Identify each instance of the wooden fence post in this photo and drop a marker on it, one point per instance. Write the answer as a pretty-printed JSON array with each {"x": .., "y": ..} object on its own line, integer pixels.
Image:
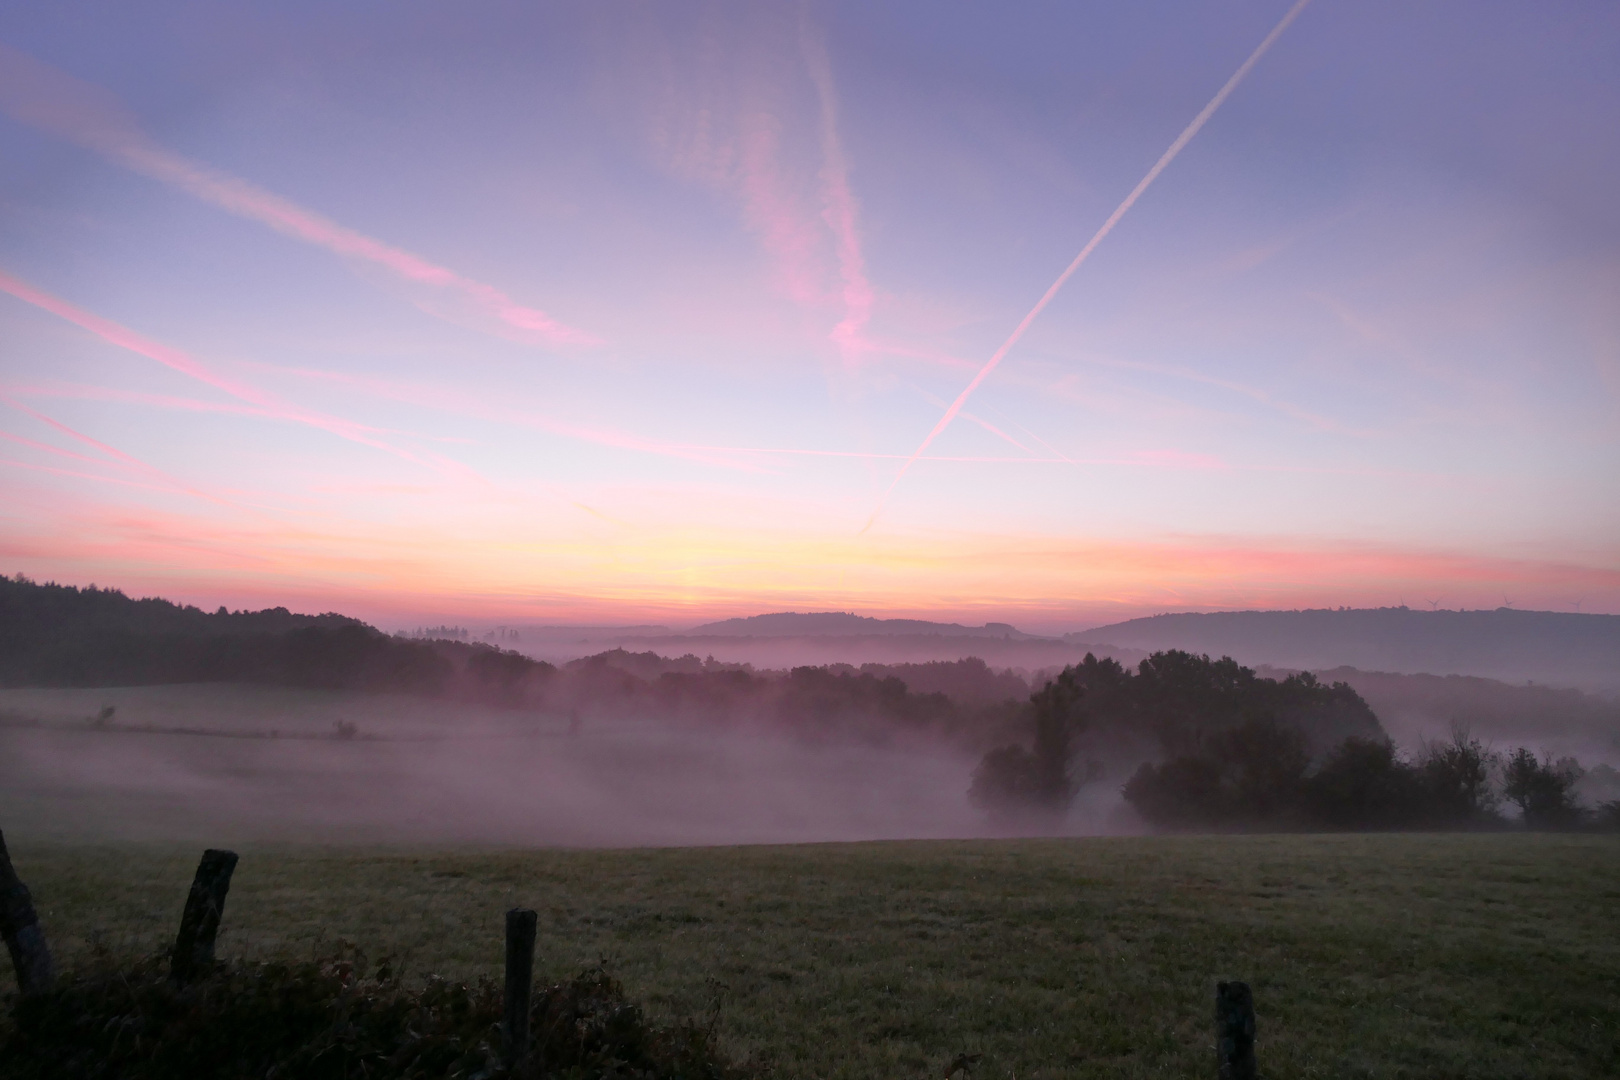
[
  {"x": 520, "y": 926},
  {"x": 19, "y": 925},
  {"x": 1234, "y": 1031},
  {"x": 205, "y": 905}
]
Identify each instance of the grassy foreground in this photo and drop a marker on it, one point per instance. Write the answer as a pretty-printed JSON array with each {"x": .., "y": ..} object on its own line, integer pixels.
[{"x": 1478, "y": 956}]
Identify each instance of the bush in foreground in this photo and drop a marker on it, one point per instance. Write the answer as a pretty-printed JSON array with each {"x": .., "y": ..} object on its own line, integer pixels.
[{"x": 330, "y": 1018}]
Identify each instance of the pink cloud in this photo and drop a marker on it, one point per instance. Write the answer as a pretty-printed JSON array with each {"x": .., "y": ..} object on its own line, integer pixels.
[
  {"x": 787, "y": 231},
  {"x": 55, "y": 101},
  {"x": 839, "y": 209}
]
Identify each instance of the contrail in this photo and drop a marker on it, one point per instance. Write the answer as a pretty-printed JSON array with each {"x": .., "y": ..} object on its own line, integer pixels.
[
  {"x": 38, "y": 94},
  {"x": 118, "y": 456},
  {"x": 1113, "y": 219},
  {"x": 125, "y": 338},
  {"x": 449, "y": 400}
]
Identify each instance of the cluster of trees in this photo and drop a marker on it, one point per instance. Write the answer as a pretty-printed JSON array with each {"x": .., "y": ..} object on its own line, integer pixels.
[
  {"x": 1237, "y": 751},
  {"x": 1260, "y": 777},
  {"x": 1173, "y": 703}
]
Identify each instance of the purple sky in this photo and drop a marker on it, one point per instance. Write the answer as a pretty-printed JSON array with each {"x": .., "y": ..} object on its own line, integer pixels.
[{"x": 611, "y": 311}]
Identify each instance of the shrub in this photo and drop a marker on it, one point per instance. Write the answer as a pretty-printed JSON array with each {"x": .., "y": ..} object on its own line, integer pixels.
[
  {"x": 1363, "y": 784},
  {"x": 1245, "y": 776},
  {"x": 1181, "y": 793},
  {"x": 331, "y": 1019}
]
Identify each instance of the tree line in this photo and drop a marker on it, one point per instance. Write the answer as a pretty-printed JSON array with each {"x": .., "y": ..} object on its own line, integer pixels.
[{"x": 55, "y": 635}]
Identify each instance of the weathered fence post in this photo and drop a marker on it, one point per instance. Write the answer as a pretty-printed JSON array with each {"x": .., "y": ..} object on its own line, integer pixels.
[
  {"x": 520, "y": 924},
  {"x": 1234, "y": 1031},
  {"x": 205, "y": 905},
  {"x": 19, "y": 925}
]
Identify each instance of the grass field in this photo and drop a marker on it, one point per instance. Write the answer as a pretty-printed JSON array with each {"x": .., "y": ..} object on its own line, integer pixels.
[{"x": 1478, "y": 956}]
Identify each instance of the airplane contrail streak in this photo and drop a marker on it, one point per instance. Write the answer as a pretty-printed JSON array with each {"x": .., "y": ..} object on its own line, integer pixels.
[
  {"x": 117, "y": 455},
  {"x": 54, "y": 101},
  {"x": 125, "y": 338},
  {"x": 1091, "y": 245}
]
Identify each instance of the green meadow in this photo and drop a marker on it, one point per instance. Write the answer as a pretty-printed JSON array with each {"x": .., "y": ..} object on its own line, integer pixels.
[{"x": 1369, "y": 955}]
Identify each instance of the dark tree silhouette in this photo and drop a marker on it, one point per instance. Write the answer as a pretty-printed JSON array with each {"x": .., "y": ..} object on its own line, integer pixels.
[
  {"x": 1014, "y": 782},
  {"x": 58, "y": 635},
  {"x": 1241, "y": 777},
  {"x": 1456, "y": 780},
  {"x": 1542, "y": 790},
  {"x": 1363, "y": 784}
]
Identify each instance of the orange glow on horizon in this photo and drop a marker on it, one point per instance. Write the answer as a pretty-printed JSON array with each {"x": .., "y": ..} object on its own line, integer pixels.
[{"x": 692, "y": 574}]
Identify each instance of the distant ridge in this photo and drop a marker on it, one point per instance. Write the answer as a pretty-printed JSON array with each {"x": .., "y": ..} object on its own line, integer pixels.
[
  {"x": 846, "y": 624},
  {"x": 1548, "y": 646}
]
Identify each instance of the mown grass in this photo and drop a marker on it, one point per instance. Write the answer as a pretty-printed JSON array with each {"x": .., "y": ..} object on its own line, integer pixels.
[{"x": 1478, "y": 956}]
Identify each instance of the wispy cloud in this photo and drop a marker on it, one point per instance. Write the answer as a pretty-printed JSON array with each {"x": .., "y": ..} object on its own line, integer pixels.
[
  {"x": 57, "y": 102},
  {"x": 109, "y": 454},
  {"x": 786, "y": 230},
  {"x": 1264, "y": 397},
  {"x": 169, "y": 357},
  {"x": 457, "y": 402},
  {"x": 449, "y": 400},
  {"x": 839, "y": 207},
  {"x": 979, "y": 420},
  {"x": 1091, "y": 245},
  {"x": 80, "y": 474}
]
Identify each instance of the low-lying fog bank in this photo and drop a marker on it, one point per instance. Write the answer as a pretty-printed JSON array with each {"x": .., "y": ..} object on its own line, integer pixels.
[
  {"x": 789, "y": 652},
  {"x": 1419, "y": 709},
  {"x": 275, "y": 765}
]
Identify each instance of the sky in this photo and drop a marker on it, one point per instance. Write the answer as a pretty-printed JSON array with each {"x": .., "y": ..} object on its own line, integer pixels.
[{"x": 608, "y": 312}]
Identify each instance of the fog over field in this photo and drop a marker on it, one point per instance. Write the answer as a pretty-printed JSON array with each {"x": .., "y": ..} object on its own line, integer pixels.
[
  {"x": 429, "y": 772},
  {"x": 225, "y": 763},
  {"x": 143, "y": 719}
]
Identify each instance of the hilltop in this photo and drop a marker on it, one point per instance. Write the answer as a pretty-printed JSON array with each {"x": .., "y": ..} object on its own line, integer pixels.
[
  {"x": 847, "y": 624},
  {"x": 1545, "y": 646}
]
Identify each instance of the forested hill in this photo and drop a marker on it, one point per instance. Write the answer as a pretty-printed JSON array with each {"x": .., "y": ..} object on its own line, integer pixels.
[
  {"x": 60, "y": 635},
  {"x": 49, "y": 611},
  {"x": 1547, "y": 646}
]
